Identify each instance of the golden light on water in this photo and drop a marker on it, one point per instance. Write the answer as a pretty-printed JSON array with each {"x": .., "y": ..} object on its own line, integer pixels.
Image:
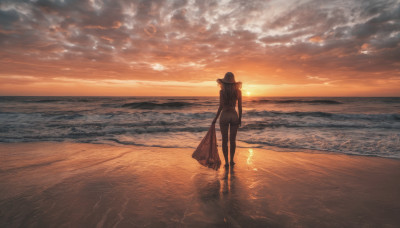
[{"x": 250, "y": 157}]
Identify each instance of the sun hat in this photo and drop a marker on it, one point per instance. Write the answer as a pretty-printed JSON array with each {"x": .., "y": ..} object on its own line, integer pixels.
[{"x": 229, "y": 78}]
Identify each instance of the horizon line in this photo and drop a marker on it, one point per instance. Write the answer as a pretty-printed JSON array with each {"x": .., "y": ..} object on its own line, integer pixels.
[{"x": 195, "y": 96}]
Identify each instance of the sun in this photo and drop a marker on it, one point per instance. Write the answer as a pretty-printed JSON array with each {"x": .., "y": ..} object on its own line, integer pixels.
[{"x": 248, "y": 93}]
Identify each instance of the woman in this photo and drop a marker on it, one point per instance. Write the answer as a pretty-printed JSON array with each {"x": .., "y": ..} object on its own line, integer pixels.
[{"x": 228, "y": 95}]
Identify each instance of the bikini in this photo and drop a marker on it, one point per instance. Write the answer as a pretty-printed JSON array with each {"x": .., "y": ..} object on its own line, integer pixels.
[{"x": 229, "y": 114}]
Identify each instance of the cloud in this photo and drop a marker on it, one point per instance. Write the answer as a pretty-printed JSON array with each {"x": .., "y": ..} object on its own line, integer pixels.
[{"x": 198, "y": 40}]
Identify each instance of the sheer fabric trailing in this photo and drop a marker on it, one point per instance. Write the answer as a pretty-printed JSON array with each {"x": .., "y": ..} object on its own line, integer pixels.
[{"x": 207, "y": 151}]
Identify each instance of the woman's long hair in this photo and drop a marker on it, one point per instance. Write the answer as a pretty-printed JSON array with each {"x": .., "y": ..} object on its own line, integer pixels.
[{"x": 230, "y": 92}]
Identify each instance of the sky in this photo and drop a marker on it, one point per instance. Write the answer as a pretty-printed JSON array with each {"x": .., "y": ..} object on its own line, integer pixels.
[{"x": 180, "y": 48}]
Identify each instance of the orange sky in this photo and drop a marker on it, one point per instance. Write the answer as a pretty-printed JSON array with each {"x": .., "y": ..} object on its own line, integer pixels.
[{"x": 179, "y": 48}]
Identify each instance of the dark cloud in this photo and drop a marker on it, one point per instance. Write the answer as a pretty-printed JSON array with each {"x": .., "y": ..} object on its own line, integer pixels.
[{"x": 124, "y": 39}]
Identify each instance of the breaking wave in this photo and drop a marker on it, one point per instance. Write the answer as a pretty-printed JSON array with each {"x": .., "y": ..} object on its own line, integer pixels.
[
  {"x": 336, "y": 116},
  {"x": 328, "y": 102},
  {"x": 152, "y": 105}
]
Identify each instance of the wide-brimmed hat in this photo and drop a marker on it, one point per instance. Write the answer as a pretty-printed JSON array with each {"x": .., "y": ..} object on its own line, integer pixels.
[{"x": 229, "y": 78}]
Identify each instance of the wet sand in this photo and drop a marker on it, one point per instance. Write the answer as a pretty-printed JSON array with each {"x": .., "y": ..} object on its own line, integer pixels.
[{"x": 87, "y": 185}]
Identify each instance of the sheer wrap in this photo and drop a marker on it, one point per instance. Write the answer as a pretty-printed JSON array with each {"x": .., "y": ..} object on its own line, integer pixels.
[{"x": 207, "y": 151}]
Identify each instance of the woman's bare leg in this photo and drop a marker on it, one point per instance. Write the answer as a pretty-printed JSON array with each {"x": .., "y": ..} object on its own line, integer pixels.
[
  {"x": 232, "y": 139},
  {"x": 224, "y": 133}
]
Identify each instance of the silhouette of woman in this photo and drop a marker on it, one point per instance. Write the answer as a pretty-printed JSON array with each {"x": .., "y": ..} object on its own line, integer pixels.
[{"x": 228, "y": 95}]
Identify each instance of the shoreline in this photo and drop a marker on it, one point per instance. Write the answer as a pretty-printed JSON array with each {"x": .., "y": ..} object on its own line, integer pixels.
[
  {"x": 81, "y": 184},
  {"x": 239, "y": 146}
]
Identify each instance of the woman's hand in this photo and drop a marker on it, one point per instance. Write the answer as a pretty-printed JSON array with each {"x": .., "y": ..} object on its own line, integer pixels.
[{"x": 240, "y": 122}]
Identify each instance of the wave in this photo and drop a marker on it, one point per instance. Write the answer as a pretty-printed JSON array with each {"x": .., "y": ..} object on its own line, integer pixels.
[
  {"x": 336, "y": 116},
  {"x": 184, "y": 99},
  {"x": 43, "y": 101},
  {"x": 329, "y": 102},
  {"x": 298, "y": 114},
  {"x": 59, "y": 99},
  {"x": 354, "y": 149},
  {"x": 152, "y": 105},
  {"x": 390, "y": 100},
  {"x": 265, "y": 125},
  {"x": 69, "y": 117},
  {"x": 96, "y": 131},
  {"x": 105, "y": 141}
]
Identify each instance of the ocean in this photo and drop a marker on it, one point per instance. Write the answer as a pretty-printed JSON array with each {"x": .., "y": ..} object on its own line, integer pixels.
[{"x": 365, "y": 126}]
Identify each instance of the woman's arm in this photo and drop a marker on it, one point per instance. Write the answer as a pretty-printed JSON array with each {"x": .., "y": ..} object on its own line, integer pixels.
[
  {"x": 219, "y": 108},
  {"x": 240, "y": 107}
]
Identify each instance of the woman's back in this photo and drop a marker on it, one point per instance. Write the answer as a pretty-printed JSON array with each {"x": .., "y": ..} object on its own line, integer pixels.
[
  {"x": 229, "y": 94},
  {"x": 227, "y": 100}
]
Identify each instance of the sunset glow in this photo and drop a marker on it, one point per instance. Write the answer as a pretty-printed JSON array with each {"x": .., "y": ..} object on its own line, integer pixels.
[{"x": 179, "y": 48}]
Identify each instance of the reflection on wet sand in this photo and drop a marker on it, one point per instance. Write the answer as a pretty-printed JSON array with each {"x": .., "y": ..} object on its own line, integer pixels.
[
  {"x": 86, "y": 185},
  {"x": 218, "y": 200},
  {"x": 227, "y": 180},
  {"x": 229, "y": 197}
]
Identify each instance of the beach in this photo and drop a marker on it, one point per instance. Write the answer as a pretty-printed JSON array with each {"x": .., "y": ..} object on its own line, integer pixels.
[
  {"x": 66, "y": 184},
  {"x": 103, "y": 103}
]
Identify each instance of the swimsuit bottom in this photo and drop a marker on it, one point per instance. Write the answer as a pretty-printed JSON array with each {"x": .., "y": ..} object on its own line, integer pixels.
[{"x": 229, "y": 116}]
